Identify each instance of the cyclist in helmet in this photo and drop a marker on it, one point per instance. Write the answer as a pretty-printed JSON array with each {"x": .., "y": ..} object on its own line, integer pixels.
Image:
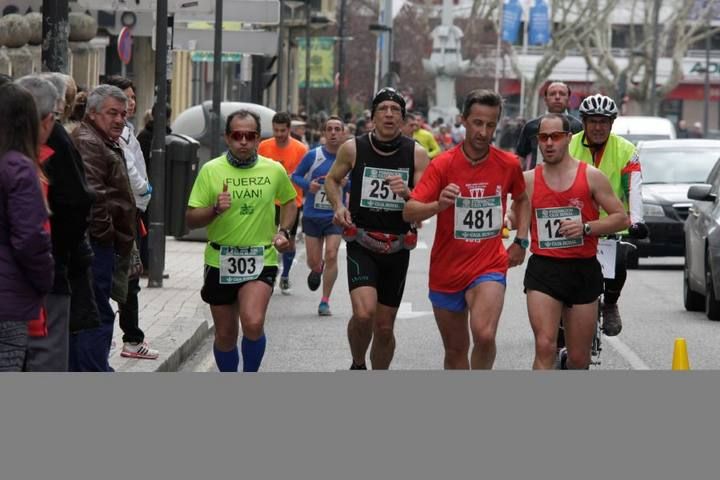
[{"x": 617, "y": 158}]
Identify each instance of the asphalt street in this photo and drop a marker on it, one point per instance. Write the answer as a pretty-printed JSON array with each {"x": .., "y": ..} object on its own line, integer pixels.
[{"x": 651, "y": 306}]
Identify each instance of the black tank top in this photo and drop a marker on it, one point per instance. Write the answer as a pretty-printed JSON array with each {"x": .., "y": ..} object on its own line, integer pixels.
[{"x": 379, "y": 210}]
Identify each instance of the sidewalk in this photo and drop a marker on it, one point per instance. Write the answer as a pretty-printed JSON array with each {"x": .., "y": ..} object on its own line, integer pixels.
[{"x": 174, "y": 318}]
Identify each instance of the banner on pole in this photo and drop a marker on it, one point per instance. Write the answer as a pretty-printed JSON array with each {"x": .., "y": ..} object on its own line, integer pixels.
[
  {"x": 511, "y": 18},
  {"x": 539, "y": 27},
  {"x": 322, "y": 62}
]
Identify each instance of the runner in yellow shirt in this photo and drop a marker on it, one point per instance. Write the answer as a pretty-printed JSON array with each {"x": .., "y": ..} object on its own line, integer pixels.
[{"x": 234, "y": 196}]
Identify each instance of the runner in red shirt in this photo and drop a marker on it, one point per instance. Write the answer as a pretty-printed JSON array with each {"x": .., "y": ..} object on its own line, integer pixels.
[
  {"x": 563, "y": 277},
  {"x": 467, "y": 187}
]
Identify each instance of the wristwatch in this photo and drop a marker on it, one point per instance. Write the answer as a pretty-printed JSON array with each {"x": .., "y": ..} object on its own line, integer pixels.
[
  {"x": 285, "y": 232},
  {"x": 523, "y": 242},
  {"x": 586, "y": 228}
]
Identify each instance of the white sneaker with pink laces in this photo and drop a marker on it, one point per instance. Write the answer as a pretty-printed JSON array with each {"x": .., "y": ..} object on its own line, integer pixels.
[{"x": 139, "y": 350}]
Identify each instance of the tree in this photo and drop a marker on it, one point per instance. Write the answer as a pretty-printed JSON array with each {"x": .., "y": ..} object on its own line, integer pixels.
[
  {"x": 572, "y": 21},
  {"x": 680, "y": 25}
]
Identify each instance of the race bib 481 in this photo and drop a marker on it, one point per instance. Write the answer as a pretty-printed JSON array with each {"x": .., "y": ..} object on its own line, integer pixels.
[{"x": 478, "y": 218}]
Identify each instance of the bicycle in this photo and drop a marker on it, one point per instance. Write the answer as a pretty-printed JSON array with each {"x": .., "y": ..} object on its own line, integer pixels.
[{"x": 608, "y": 250}]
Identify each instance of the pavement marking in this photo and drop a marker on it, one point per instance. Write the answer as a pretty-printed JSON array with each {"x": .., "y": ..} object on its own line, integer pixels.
[
  {"x": 405, "y": 311},
  {"x": 627, "y": 353}
]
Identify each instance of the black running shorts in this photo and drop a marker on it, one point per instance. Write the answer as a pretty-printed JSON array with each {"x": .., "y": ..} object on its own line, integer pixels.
[
  {"x": 385, "y": 272},
  {"x": 573, "y": 281},
  {"x": 215, "y": 293}
]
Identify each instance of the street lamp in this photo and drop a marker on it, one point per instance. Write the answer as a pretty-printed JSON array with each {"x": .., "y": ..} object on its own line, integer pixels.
[{"x": 379, "y": 29}]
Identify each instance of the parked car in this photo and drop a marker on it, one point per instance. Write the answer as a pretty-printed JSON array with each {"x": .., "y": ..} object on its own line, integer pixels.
[
  {"x": 637, "y": 128},
  {"x": 668, "y": 168},
  {"x": 701, "y": 273},
  {"x": 195, "y": 123}
]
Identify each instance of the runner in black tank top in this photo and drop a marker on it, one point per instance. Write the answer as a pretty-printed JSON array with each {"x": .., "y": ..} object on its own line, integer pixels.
[
  {"x": 384, "y": 166},
  {"x": 367, "y": 163}
]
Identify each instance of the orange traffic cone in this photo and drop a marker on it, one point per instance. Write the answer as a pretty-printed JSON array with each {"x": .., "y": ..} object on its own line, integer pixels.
[{"x": 680, "y": 356}]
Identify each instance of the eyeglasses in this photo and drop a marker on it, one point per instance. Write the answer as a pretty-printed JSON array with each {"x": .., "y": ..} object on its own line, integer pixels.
[
  {"x": 239, "y": 135},
  {"x": 556, "y": 136}
]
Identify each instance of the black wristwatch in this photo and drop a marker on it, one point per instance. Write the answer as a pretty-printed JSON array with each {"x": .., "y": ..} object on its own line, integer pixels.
[
  {"x": 586, "y": 229},
  {"x": 523, "y": 242},
  {"x": 285, "y": 232}
]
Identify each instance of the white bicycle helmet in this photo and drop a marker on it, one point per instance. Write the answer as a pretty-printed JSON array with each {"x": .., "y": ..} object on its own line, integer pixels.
[{"x": 598, "y": 105}]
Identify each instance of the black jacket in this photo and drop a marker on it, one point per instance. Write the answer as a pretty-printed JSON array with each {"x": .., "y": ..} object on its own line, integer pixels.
[{"x": 69, "y": 198}]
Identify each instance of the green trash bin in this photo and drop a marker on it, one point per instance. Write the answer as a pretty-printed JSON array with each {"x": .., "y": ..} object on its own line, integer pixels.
[{"x": 181, "y": 167}]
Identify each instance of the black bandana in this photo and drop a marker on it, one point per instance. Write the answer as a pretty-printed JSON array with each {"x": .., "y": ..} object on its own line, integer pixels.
[
  {"x": 388, "y": 93},
  {"x": 237, "y": 163},
  {"x": 385, "y": 147}
]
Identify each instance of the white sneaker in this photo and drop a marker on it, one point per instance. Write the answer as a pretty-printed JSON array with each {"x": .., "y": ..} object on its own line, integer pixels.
[{"x": 139, "y": 350}]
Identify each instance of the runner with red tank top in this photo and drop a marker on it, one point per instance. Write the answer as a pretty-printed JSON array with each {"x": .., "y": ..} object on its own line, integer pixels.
[{"x": 563, "y": 278}]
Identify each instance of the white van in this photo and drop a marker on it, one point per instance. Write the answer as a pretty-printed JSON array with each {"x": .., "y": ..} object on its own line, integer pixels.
[{"x": 636, "y": 128}]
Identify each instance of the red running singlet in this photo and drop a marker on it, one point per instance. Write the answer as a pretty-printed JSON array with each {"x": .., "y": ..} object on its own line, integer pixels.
[{"x": 549, "y": 208}]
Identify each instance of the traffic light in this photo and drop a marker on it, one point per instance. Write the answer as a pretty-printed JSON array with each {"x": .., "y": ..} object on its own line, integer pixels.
[
  {"x": 262, "y": 76},
  {"x": 268, "y": 76}
]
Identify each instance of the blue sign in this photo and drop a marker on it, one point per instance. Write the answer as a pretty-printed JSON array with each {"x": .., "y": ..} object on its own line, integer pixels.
[
  {"x": 539, "y": 28},
  {"x": 512, "y": 16}
]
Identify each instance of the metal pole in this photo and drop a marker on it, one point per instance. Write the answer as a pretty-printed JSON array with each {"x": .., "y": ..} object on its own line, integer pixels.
[
  {"x": 215, "y": 116},
  {"x": 341, "y": 61},
  {"x": 307, "y": 59},
  {"x": 281, "y": 59},
  {"x": 387, "y": 20},
  {"x": 389, "y": 73},
  {"x": 653, "y": 80},
  {"x": 706, "y": 109},
  {"x": 499, "y": 44},
  {"x": 156, "y": 239},
  {"x": 55, "y": 32}
]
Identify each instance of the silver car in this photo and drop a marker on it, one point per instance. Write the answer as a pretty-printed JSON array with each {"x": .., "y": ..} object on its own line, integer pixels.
[
  {"x": 701, "y": 275},
  {"x": 669, "y": 167}
]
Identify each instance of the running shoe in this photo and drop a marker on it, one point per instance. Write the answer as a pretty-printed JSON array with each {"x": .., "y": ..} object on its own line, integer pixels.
[
  {"x": 139, "y": 350},
  {"x": 324, "y": 309},
  {"x": 612, "y": 323},
  {"x": 285, "y": 286},
  {"x": 314, "y": 278}
]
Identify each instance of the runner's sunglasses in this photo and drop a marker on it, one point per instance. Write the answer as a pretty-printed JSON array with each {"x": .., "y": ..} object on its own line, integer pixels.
[
  {"x": 556, "y": 136},
  {"x": 239, "y": 135}
]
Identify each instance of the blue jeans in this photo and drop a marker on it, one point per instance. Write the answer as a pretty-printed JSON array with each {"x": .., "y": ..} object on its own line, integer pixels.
[{"x": 90, "y": 349}]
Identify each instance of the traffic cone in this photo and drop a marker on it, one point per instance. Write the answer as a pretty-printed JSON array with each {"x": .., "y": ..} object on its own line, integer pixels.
[{"x": 680, "y": 356}]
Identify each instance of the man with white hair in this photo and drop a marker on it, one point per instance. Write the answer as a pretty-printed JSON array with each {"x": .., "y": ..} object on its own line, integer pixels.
[{"x": 112, "y": 218}]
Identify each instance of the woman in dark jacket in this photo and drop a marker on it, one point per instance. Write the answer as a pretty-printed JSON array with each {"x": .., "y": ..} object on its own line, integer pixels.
[{"x": 26, "y": 264}]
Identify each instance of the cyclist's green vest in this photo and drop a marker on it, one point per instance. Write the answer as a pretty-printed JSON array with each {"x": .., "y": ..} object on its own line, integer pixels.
[{"x": 617, "y": 155}]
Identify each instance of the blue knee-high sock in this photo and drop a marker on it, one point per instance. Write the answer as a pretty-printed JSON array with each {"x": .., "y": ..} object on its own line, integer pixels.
[
  {"x": 252, "y": 353},
  {"x": 227, "y": 361},
  {"x": 287, "y": 258}
]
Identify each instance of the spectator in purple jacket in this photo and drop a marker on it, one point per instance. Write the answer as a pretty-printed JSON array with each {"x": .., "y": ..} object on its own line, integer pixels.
[{"x": 26, "y": 263}]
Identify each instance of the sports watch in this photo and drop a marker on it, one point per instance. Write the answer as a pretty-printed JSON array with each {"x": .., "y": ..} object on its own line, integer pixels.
[
  {"x": 523, "y": 242},
  {"x": 586, "y": 229}
]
